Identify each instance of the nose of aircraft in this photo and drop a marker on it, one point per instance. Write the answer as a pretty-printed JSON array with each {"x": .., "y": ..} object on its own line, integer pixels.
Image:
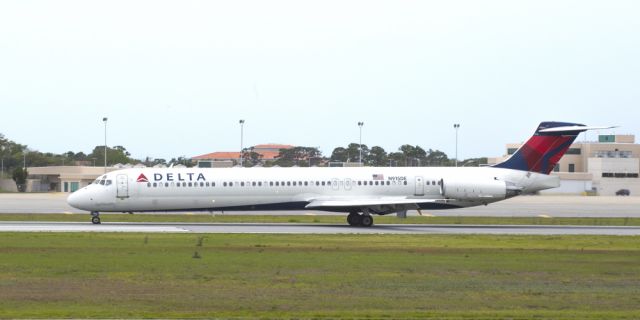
[{"x": 78, "y": 199}]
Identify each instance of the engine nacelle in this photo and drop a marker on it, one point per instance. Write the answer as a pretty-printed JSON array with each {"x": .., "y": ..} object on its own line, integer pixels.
[{"x": 491, "y": 190}]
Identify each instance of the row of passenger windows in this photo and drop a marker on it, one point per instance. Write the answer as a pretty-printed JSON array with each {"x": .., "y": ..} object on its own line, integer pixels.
[{"x": 270, "y": 183}]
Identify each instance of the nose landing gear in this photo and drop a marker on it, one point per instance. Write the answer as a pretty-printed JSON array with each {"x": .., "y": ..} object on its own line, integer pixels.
[{"x": 95, "y": 217}]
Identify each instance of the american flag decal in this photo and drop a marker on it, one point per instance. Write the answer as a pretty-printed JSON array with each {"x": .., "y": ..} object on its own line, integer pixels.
[{"x": 378, "y": 177}]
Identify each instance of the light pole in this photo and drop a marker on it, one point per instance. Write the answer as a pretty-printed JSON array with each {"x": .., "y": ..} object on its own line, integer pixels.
[
  {"x": 241, "y": 139},
  {"x": 360, "y": 124},
  {"x": 105, "y": 143},
  {"x": 456, "y": 126},
  {"x": 2, "y": 149}
]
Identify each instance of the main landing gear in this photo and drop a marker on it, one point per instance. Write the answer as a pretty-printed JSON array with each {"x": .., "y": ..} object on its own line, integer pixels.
[
  {"x": 95, "y": 217},
  {"x": 355, "y": 219}
]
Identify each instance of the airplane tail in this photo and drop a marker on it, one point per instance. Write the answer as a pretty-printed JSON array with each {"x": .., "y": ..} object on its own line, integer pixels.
[{"x": 545, "y": 148}]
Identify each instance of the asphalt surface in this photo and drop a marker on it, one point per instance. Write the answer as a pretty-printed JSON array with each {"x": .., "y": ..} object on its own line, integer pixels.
[
  {"x": 285, "y": 228},
  {"x": 523, "y": 206}
]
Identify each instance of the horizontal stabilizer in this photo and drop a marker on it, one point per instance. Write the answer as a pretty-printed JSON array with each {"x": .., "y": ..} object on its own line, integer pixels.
[{"x": 574, "y": 129}]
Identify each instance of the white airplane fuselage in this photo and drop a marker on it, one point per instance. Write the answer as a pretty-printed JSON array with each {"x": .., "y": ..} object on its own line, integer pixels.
[{"x": 381, "y": 190}]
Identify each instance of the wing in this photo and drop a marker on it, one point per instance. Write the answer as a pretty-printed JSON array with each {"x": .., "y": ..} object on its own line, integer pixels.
[{"x": 377, "y": 205}]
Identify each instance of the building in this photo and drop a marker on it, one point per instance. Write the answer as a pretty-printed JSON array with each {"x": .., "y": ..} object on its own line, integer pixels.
[
  {"x": 62, "y": 178},
  {"x": 601, "y": 167},
  {"x": 228, "y": 159}
]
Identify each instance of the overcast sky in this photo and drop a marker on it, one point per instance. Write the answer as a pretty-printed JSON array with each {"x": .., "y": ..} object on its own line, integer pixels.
[{"x": 174, "y": 77}]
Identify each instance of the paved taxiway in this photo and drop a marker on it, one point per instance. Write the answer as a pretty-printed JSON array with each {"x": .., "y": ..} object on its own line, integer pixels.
[
  {"x": 286, "y": 228},
  {"x": 523, "y": 206}
]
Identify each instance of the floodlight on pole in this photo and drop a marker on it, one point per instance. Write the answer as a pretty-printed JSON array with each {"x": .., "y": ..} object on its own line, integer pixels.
[
  {"x": 360, "y": 124},
  {"x": 105, "y": 143},
  {"x": 241, "y": 122},
  {"x": 456, "y": 126}
]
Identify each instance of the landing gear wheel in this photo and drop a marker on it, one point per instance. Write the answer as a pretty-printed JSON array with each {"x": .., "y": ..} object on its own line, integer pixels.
[
  {"x": 95, "y": 220},
  {"x": 353, "y": 219},
  {"x": 366, "y": 221}
]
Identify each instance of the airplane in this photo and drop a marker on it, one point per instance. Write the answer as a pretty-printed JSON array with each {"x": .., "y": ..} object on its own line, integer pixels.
[{"x": 359, "y": 191}]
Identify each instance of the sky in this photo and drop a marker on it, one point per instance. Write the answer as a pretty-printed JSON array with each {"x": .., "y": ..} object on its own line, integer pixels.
[{"x": 174, "y": 77}]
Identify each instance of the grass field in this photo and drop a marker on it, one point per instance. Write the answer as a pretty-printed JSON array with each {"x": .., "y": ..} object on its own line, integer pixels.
[
  {"x": 87, "y": 275},
  {"x": 337, "y": 219}
]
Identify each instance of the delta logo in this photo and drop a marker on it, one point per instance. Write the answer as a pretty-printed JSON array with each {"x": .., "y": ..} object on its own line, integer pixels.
[{"x": 189, "y": 176}]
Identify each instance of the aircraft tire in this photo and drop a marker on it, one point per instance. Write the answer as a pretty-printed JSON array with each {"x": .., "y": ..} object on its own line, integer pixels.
[
  {"x": 366, "y": 221},
  {"x": 353, "y": 219},
  {"x": 95, "y": 220}
]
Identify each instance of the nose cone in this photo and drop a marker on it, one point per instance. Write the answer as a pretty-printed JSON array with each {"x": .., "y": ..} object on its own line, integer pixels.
[{"x": 79, "y": 200}]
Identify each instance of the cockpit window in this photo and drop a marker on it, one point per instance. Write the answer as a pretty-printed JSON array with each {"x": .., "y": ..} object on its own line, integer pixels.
[
  {"x": 107, "y": 183},
  {"x": 102, "y": 182}
]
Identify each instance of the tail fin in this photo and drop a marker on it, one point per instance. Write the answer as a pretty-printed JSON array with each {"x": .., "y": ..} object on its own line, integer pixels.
[{"x": 545, "y": 148}]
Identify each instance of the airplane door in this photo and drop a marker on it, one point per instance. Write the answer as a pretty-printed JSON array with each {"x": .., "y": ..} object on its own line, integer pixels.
[
  {"x": 419, "y": 186},
  {"x": 347, "y": 184},
  {"x": 335, "y": 184},
  {"x": 123, "y": 186}
]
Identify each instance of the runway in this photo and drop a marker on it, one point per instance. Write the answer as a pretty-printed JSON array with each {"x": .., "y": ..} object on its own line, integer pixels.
[
  {"x": 523, "y": 206},
  {"x": 287, "y": 228}
]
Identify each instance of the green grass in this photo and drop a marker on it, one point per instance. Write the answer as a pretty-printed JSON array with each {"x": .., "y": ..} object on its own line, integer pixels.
[
  {"x": 322, "y": 219},
  {"x": 89, "y": 275}
]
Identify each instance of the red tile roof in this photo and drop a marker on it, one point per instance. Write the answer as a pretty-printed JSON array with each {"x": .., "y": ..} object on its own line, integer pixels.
[
  {"x": 273, "y": 146},
  {"x": 218, "y": 156}
]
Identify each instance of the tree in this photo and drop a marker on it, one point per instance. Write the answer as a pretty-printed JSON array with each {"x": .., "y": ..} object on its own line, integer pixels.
[
  {"x": 353, "y": 152},
  {"x": 299, "y": 156},
  {"x": 251, "y": 158},
  {"x": 377, "y": 157},
  {"x": 437, "y": 158},
  {"x": 117, "y": 154},
  {"x": 20, "y": 177},
  {"x": 339, "y": 154}
]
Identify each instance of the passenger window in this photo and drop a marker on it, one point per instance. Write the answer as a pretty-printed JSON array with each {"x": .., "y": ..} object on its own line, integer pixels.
[
  {"x": 178, "y": 184},
  {"x": 323, "y": 183},
  {"x": 388, "y": 183},
  {"x": 155, "y": 185},
  {"x": 376, "y": 183},
  {"x": 166, "y": 184},
  {"x": 306, "y": 183},
  {"x": 190, "y": 184},
  {"x": 202, "y": 184},
  {"x": 294, "y": 183},
  {"x": 242, "y": 184},
  {"x": 288, "y": 183},
  {"x": 271, "y": 183},
  {"x": 259, "y": 183},
  {"x": 207, "y": 184},
  {"x": 148, "y": 184},
  {"x": 317, "y": 183},
  {"x": 405, "y": 182},
  {"x": 224, "y": 184},
  {"x": 277, "y": 183},
  {"x": 230, "y": 184}
]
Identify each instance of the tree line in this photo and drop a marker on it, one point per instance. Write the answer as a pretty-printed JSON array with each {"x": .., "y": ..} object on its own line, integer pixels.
[{"x": 16, "y": 156}]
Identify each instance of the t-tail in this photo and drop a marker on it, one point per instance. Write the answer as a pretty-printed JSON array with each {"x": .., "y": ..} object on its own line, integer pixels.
[{"x": 545, "y": 148}]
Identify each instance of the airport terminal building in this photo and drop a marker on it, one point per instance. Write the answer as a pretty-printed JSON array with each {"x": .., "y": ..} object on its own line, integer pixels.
[{"x": 600, "y": 167}]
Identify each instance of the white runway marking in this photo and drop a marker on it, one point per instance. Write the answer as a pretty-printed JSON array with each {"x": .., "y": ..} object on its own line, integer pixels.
[
  {"x": 293, "y": 228},
  {"x": 84, "y": 227}
]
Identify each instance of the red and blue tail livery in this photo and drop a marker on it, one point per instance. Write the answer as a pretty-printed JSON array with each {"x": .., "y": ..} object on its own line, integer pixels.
[{"x": 545, "y": 148}]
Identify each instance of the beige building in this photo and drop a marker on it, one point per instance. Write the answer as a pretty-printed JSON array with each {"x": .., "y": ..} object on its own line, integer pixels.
[
  {"x": 603, "y": 167},
  {"x": 62, "y": 178}
]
